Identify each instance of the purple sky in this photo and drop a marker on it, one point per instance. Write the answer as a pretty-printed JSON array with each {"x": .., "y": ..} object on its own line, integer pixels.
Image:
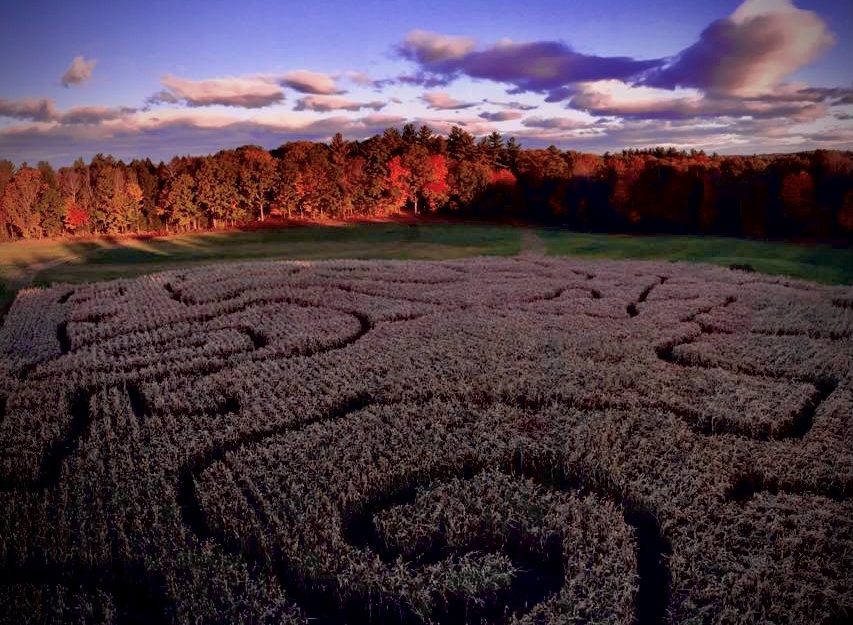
[{"x": 158, "y": 79}]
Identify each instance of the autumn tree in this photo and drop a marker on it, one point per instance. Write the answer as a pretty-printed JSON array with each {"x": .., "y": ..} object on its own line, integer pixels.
[
  {"x": 180, "y": 203},
  {"x": 460, "y": 144},
  {"x": 76, "y": 194},
  {"x": 400, "y": 183},
  {"x": 432, "y": 184},
  {"x": 7, "y": 171},
  {"x": 216, "y": 189},
  {"x": 655, "y": 189},
  {"x": 148, "y": 181},
  {"x": 468, "y": 179},
  {"x": 493, "y": 147},
  {"x": 255, "y": 179},
  {"x": 845, "y": 214},
  {"x": 49, "y": 205},
  {"x": 511, "y": 150},
  {"x": 306, "y": 183},
  {"x": 339, "y": 160},
  {"x": 798, "y": 200},
  {"x": 19, "y": 203}
]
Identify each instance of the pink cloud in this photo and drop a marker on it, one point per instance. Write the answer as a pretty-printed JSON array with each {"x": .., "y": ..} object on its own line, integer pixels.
[
  {"x": 554, "y": 123},
  {"x": 514, "y": 104},
  {"x": 750, "y": 52},
  {"x": 241, "y": 91},
  {"x": 44, "y": 110},
  {"x": 362, "y": 79},
  {"x": 94, "y": 114},
  {"x": 305, "y": 81},
  {"x": 78, "y": 72},
  {"x": 428, "y": 47},
  {"x": 35, "y": 109},
  {"x": 441, "y": 101},
  {"x": 334, "y": 103},
  {"x": 612, "y": 98},
  {"x": 501, "y": 116}
]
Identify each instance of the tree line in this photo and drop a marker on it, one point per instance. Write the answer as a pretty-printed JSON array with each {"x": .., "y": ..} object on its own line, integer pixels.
[{"x": 416, "y": 170}]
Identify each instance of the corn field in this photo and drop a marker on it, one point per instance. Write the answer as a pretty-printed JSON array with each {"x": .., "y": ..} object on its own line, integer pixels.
[{"x": 525, "y": 440}]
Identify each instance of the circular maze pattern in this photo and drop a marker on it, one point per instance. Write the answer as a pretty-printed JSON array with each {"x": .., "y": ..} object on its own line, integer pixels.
[{"x": 487, "y": 441}]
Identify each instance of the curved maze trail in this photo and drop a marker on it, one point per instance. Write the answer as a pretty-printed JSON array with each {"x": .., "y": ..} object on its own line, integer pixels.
[
  {"x": 746, "y": 485},
  {"x": 59, "y": 449},
  {"x": 540, "y": 571},
  {"x": 79, "y": 409},
  {"x": 802, "y": 422},
  {"x": 632, "y": 309}
]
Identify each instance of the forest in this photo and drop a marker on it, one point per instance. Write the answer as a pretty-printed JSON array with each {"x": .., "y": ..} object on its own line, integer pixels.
[{"x": 803, "y": 195}]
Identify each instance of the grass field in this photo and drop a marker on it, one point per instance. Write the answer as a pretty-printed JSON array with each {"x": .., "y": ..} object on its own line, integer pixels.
[
  {"x": 821, "y": 263},
  {"x": 75, "y": 261}
]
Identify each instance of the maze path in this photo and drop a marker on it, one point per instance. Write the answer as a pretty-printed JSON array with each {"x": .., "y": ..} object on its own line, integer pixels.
[
  {"x": 319, "y": 598},
  {"x": 644, "y": 299}
]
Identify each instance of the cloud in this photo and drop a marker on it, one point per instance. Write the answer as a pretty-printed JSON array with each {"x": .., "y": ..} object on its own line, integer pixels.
[
  {"x": 731, "y": 90},
  {"x": 538, "y": 66},
  {"x": 734, "y": 136},
  {"x": 515, "y": 105},
  {"x": 560, "y": 93},
  {"x": 554, "y": 123},
  {"x": 501, "y": 116},
  {"x": 163, "y": 133},
  {"x": 422, "y": 79},
  {"x": 427, "y": 48},
  {"x": 78, "y": 72},
  {"x": 94, "y": 114},
  {"x": 615, "y": 98},
  {"x": 162, "y": 97},
  {"x": 837, "y": 96},
  {"x": 441, "y": 101},
  {"x": 34, "y": 109},
  {"x": 334, "y": 103},
  {"x": 44, "y": 110},
  {"x": 305, "y": 81},
  {"x": 748, "y": 53},
  {"x": 362, "y": 79},
  {"x": 240, "y": 91}
]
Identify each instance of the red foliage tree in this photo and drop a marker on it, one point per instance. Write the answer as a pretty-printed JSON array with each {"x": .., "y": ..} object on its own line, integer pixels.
[
  {"x": 76, "y": 216},
  {"x": 399, "y": 183},
  {"x": 434, "y": 184}
]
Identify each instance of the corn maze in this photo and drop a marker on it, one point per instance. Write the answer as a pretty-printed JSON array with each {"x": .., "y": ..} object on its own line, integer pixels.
[{"x": 522, "y": 440}]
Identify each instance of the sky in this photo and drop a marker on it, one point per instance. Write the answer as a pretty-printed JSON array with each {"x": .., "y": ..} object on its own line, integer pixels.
[{"x": 160, "y": 79}]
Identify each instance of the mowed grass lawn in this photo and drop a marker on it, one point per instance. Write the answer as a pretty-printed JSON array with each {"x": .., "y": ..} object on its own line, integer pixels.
[{"x": 87, "y": 260}]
